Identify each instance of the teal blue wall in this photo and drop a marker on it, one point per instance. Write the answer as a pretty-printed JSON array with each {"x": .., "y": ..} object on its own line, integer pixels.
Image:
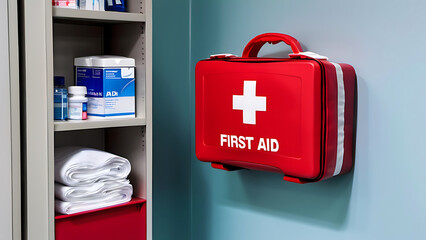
[
  {"x": 171, "y": 120},
  {"x": 385, "y": 196}
]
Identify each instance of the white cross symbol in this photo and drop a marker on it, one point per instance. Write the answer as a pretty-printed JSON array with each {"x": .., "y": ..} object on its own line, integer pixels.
[{"x": 249, "y": 103}]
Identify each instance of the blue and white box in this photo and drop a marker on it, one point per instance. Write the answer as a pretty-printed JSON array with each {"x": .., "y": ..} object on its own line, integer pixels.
[{"x": 110, "y": 82}]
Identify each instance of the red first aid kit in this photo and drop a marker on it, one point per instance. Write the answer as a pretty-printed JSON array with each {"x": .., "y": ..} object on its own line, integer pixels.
[{"x": 289, "y": 115}]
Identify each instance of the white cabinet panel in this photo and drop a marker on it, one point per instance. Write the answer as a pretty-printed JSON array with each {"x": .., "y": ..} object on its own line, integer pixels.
[{"x": 5, "y": 130}]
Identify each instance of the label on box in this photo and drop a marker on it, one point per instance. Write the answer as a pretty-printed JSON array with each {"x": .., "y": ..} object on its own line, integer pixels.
[{"x": 111, "y": 91}]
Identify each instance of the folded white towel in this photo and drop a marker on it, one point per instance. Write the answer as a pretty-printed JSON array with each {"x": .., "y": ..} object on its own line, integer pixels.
[
  {"x": 76, "y": 166},
  {"x": 111, "y": 198},
  {"x": 94, "y": 191}
]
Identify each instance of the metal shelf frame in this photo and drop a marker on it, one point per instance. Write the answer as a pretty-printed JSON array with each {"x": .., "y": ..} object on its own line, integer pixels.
[
  {"x": 10, "y": 128},
  {"x": 37, "y": 20}
]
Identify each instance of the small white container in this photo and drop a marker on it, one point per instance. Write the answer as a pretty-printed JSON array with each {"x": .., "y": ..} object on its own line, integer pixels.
[{"x": 77, "y": 103}]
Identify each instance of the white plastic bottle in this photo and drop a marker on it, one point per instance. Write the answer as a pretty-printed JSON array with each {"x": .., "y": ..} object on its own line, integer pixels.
[{"x": 77, "y": 103}]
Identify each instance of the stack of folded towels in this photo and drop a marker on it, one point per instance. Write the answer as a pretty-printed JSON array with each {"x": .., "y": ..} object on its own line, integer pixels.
[{"x": 88, "y": 179}]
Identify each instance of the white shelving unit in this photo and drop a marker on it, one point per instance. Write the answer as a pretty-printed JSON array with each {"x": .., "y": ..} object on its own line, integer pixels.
[
  {"x": 52, "y": 38},
  {"x": 10, "y": 151}
]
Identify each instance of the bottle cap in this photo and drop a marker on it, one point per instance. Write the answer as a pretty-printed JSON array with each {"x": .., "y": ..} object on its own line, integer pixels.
[
  {"x": 59, "y": 81},
  {"x": 77, "y": 90}
]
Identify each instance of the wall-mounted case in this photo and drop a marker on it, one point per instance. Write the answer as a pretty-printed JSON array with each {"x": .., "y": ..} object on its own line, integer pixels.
[{"x": 289, "y": 115}]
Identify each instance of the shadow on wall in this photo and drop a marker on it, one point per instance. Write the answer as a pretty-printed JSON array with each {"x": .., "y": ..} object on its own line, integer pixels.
[{"x": 324, "y": 203}]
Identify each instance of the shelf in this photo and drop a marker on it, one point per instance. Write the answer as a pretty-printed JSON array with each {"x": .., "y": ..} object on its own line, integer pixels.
[
  {"x": 96, "y": 16},
  {"x": 97, "y": 123}
]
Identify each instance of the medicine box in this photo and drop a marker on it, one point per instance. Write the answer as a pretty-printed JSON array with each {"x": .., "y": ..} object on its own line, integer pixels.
[
  {"x": 94, "y": 5},
  {"x": 110, "y": 83},
  {"x": 115, "y": 5}
]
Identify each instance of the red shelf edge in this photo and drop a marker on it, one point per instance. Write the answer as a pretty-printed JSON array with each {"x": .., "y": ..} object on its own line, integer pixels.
[{"x": 134, "y": 201}]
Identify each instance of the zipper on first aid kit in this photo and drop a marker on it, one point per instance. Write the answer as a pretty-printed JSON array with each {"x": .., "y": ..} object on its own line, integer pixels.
[{"x": 323, "y": 119}]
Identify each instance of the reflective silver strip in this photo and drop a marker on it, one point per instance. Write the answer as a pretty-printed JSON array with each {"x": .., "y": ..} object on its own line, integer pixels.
[{"x": 340, "y": 119}]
